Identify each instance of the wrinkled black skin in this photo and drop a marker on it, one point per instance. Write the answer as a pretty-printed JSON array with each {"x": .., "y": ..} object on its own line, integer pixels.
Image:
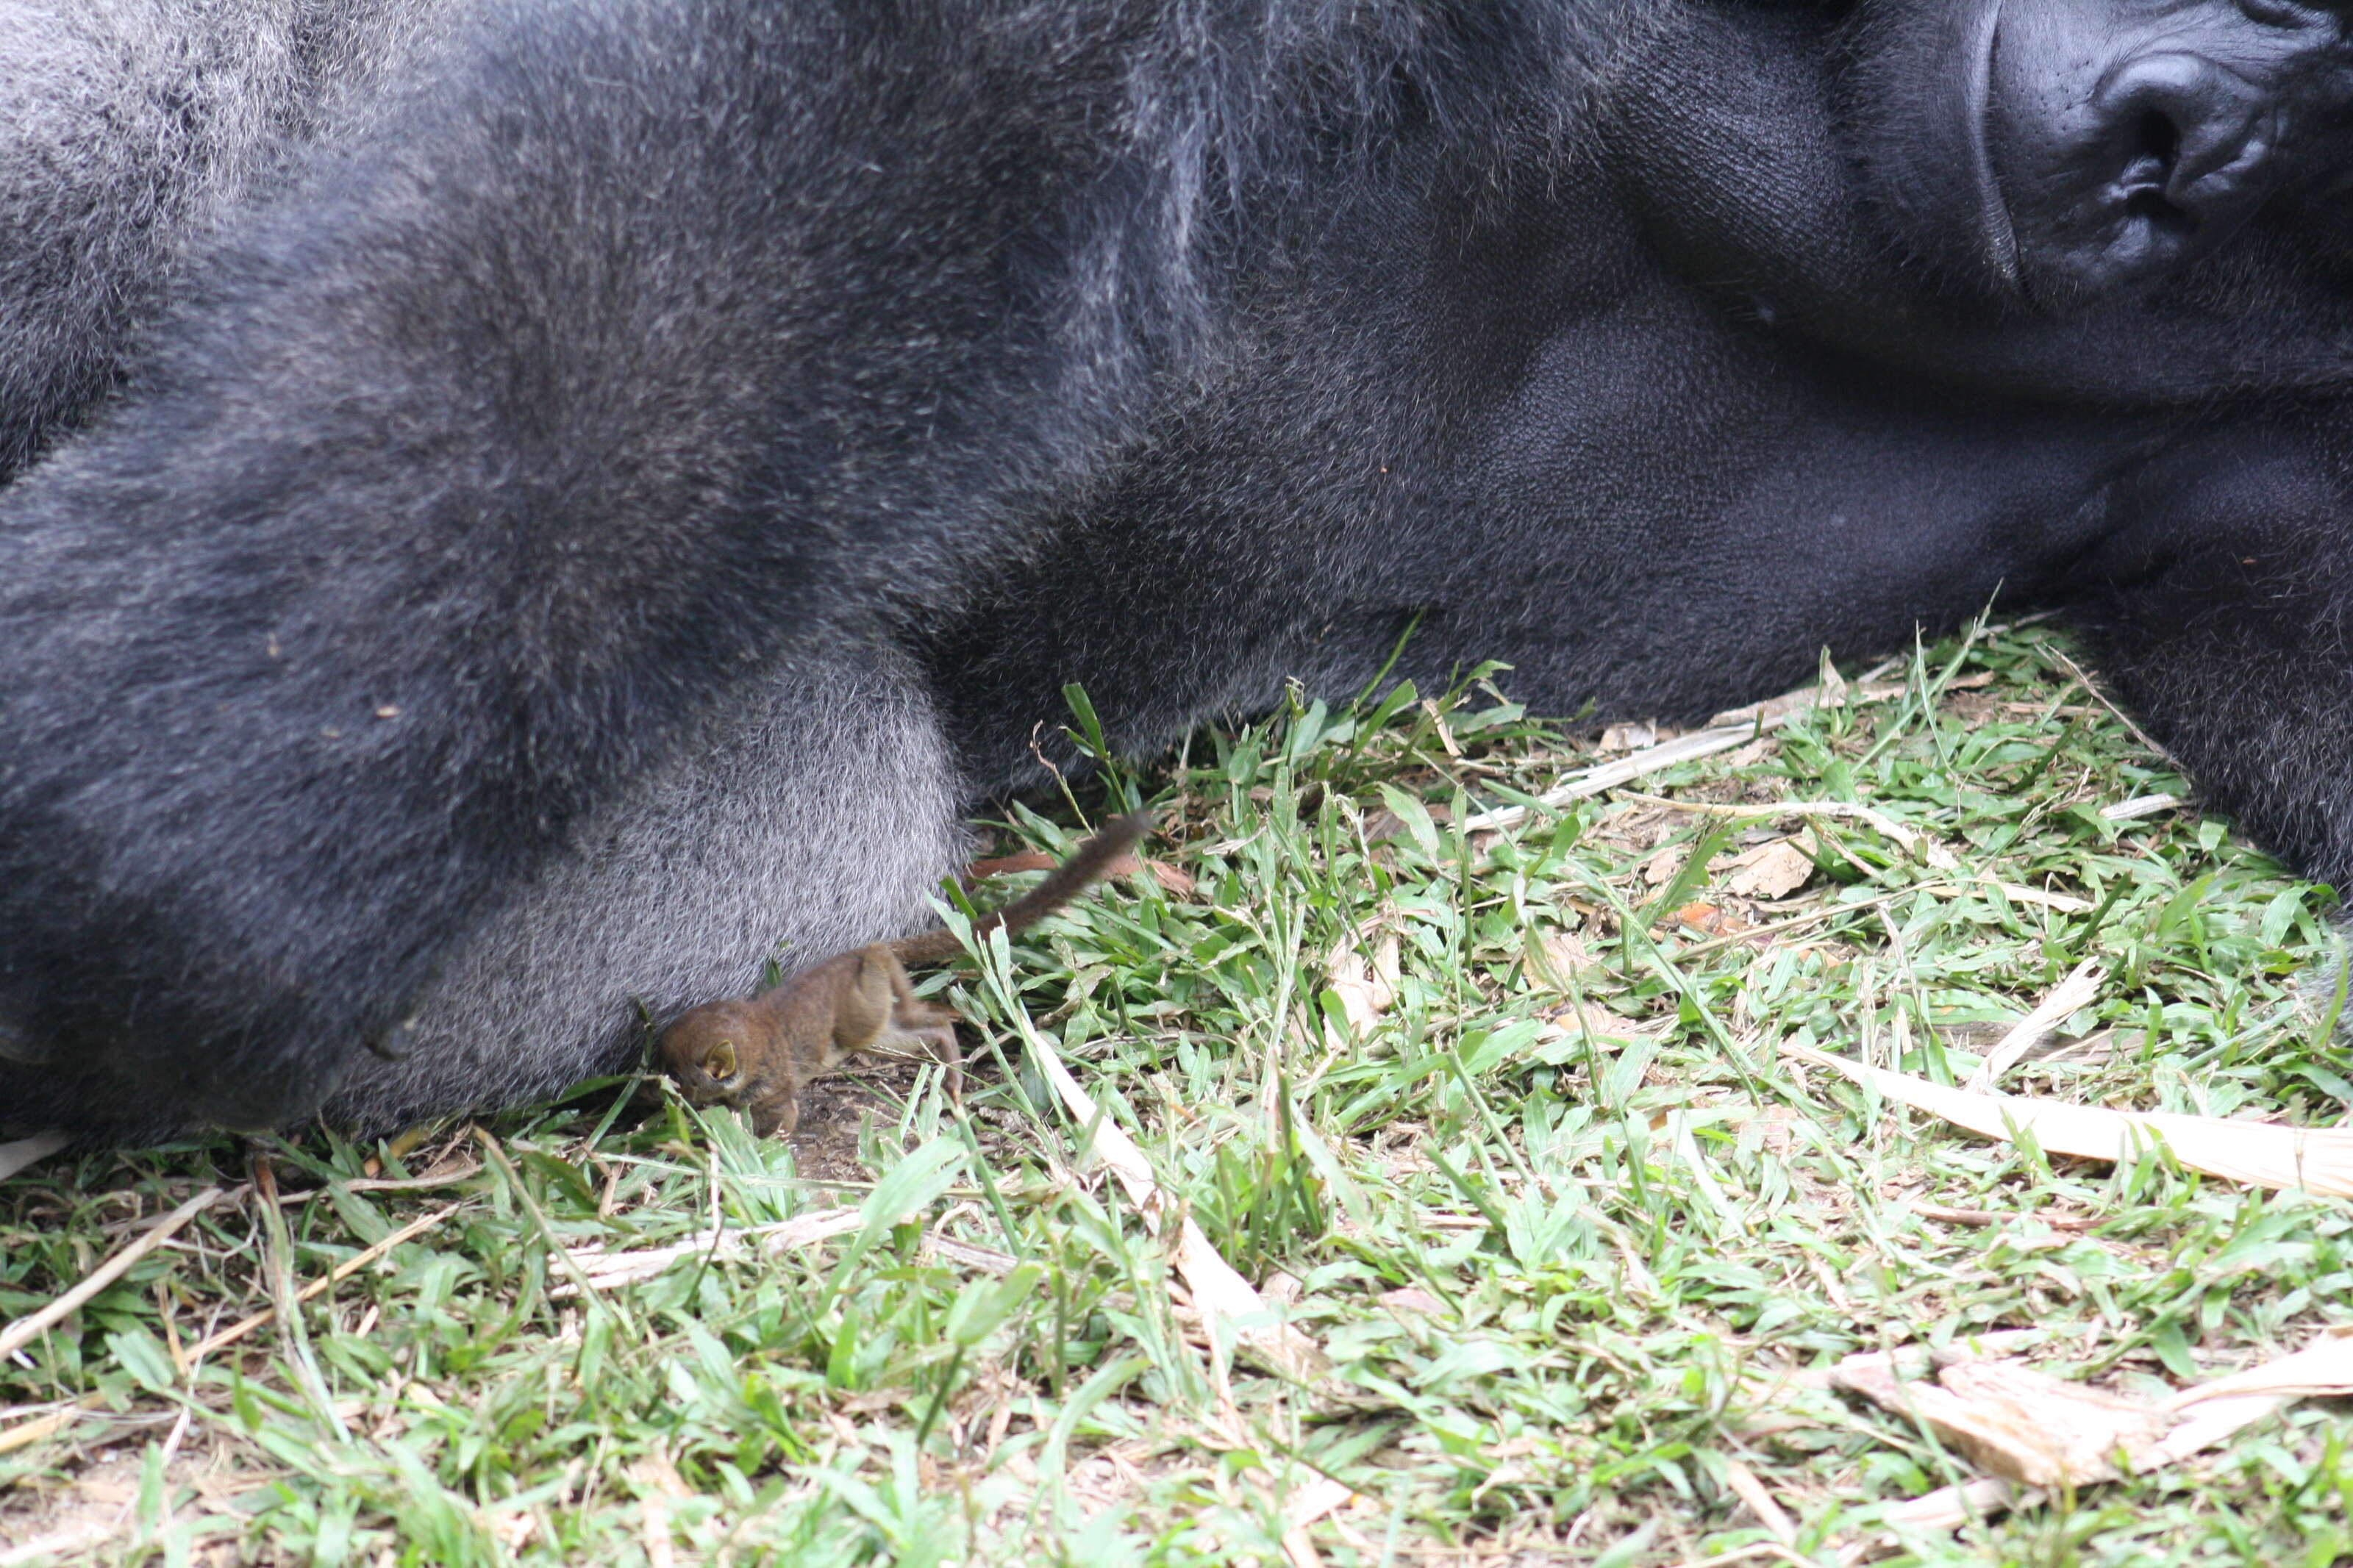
[{"x": 650, "y": 349}]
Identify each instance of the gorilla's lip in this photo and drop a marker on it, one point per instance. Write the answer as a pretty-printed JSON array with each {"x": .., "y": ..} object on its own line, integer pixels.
[{"x": 2001, "y": 235}]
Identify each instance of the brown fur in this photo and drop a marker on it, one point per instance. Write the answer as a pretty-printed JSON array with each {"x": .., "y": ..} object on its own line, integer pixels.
[{"x": 757, "y": 1052}]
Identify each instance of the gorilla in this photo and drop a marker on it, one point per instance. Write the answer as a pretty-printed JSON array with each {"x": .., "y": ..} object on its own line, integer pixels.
[{"x": 521, "y": 512}]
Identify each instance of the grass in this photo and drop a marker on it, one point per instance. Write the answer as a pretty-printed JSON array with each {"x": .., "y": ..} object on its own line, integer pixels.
[{"x": 1501, "y": 1121}]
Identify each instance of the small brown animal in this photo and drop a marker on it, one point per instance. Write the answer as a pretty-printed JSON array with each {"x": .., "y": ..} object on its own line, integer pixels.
[{"x": 756, "y": 1052}]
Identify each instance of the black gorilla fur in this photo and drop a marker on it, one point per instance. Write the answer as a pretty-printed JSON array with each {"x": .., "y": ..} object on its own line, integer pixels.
[{"x": 601, "y": 504}]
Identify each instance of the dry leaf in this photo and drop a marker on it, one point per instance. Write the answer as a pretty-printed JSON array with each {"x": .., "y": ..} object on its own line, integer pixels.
[
  {"x": 2142, "y": 806},
  {"x": 1285, "y": 1288},
  {"x": 1913, "y": 840},
  {"x": 1949, "y": 1508},
  {"x": 2061, "y": 902},
  {"x": 2084, "y": 1050},
  {"x": 1554, "y": 959},
  {"x": 1587, "y": 1020},
  {"x": 2322, "y": 1370},
  {"x": 1320, "y": 1497},
  {"x": 2079, "y": 990},
  {"x": 659, "y": 1485},
  {"x": 1989, "y": 1399},
  {"x": 2318, "y": 1160},
  {"x": 1724, "y": 732},
  {"x": 1661, "y": 868},
  {"x": 1712, "y": 919},
  {"x": 2016, "y": 1422},
  {"x": 1750, "y": 1490},
  {"x": 1773, "y": 870},
  {"x": 1437, "y": 717},
  {"x": 1366, "y": 984},
  {"x": 1777, "y": 1130},
  {"x": 1412, "y": 1299},
  {"x": 32, "y": 1431},
  {"x": 26, "y": 1153},
  {"x": 986, "y": 1259},
  {"x": 1170, "y": 878},
  {"x": 1628, "y": 738},
  {"x": 512, "y": 1529},
  {"x": 61, "y": 1544},
  {"x": 608, "y": 1270}
]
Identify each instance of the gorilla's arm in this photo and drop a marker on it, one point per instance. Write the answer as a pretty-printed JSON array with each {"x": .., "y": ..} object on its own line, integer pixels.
[
  {"x": 645, "y": 348},
  {"x": 652, "y": 343},
  {"x": 127, "y": 127},
  {"x": 2221, "y": 614}
]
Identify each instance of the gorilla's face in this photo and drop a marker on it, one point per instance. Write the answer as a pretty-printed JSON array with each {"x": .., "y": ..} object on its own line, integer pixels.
[{"x": 2055, "y": 151}]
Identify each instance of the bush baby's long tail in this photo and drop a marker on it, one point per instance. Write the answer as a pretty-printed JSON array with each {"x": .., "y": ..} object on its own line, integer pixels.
[{"x": 1066, "y": 881}]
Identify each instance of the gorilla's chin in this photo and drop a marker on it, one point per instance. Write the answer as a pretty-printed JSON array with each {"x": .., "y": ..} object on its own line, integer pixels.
[
  {"x": 1924, "y": 133},
  {"x": 1997, "y": 234}
]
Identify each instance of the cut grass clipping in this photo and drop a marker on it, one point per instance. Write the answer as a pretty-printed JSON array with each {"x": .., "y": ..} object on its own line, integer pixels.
[{"x": 1890, "y": 1126}]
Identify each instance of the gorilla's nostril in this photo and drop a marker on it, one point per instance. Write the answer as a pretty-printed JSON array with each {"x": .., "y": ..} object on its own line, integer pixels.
[
  {"x": 2148, "y": 178},
  {"x": 2152, "y": 208},
  {"x": 2128, "y": 139}
]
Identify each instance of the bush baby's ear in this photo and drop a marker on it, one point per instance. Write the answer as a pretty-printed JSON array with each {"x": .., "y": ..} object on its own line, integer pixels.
[{"x": 719, "y": 1061}]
